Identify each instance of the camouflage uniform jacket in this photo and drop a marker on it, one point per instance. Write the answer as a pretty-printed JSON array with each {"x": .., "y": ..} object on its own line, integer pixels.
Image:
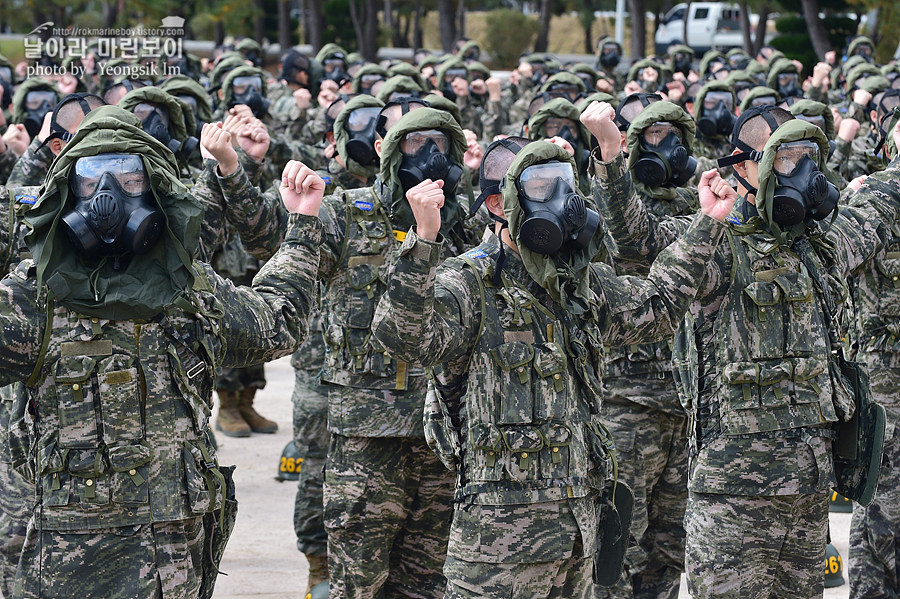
[
  {"x": 121, "y": 407},
  {"x": 8, "y": 161},
  {"x": 32, "y": 166},
  {"x": 861, "y": 158},
  {"x": 520, "y": 379},
  {"x": 754, "y": 361},
  {"x": 360, "y": 241},
  {"x": 14, "y": 202},
  {"x": 641, "y": 361}
]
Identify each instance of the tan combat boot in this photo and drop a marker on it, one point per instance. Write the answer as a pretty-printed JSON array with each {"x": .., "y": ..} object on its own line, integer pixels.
[
  {"x": 257, "y": 423},
  {"x": 230, "y": 421},
  {"x": 318, "y": 570}
]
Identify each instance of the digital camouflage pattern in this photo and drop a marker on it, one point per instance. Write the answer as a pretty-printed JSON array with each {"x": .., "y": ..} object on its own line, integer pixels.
[
  {"x": 875, "y": 530},
  {"x": 510, "y": 485},
  {"x": 747, "y": 411},
  {"x": 32, "y": 166}
]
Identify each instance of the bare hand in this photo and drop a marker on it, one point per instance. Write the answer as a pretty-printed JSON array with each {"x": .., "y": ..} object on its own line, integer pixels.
[
  {"x": 716, "y": 195},
  {"x": 604, "y": 86},
  {"x": 478, "y": 87},
  {"x": 632, "y": 87},
  {"x": 303, "y": 98},
  {"x": 217, "y": 141},
  {"x": 820, "y": 74},
  {"x": 460, "y": 87},
  {"x": 301, "y": 189},
  {"x": 254, "y": 139},
  {"x": 44, "y": 133},
  {"x": 598, "y": 118},
  {"x": 493, "y": 87},
  {"x": 16, "y": 139},
  {"x": 328, "y": 91},
  {"x": 848, "y": 129},
  {"x": 68, "y": 83},
  {"x": 473, "y": 155},
  {"x": 426, "y": 200},
  {"x": 562, "y": 143},
  {"x": 856, "y": 183},
  {"x": 862, "y": 97}
]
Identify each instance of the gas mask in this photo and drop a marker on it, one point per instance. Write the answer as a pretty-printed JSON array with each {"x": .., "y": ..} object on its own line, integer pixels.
[
  {"x": 788, "y": 85},
  {"x": 609, "y": 56},
  {"x": 537, "y": 73},
  {"x": 802, "y": 190},
  {"x": 114, "y": 210},
  {"x": 336, "y": 68},
  {"x": 195, "y": 110},
  {"x": 561, "y": 127},
  {"x": 178, "y": 65},
  {"x": 663, "y": 159},
  {"x": 254, "y": 57},
  {"x": 864, "y": 51},
  {"x": 682, "y": 63},
  {"x": 8, "y": 93},
  {"x": 155, "y": 121},
  {"x": 426, "y": 155},
  {"x": 361, "y": 127},
  {"x": 449, "y": 76},
  {"x": 247, "y": 90},
  {"x": 555, "y": 214},
  {"x": 37, "y": 104},
  {"x": 718, "y": 117}
]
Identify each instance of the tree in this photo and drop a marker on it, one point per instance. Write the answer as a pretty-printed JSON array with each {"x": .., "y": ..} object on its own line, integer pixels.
[
  {"x": 543, "y": 37},
  {"x": 447, "y": 23},
  {"x": 285, "y": 39},
  {"x": 638, "y": 28},
  {"x": 816, "y": 27},
  {"x": 364, "y": 15}
]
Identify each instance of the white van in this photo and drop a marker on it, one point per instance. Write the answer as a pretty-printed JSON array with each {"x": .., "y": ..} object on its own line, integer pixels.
[{"x": 710, "y": 25}]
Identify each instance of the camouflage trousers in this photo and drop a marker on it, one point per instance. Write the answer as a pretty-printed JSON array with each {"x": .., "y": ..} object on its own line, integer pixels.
[
  {"x": 388, "y": 503},
  {"x": 564, "y": 579},
  {"x": 151, "y": 561},
  {"x": 750, "y": 547},
  {"x": 235, "y": 379},
  {"x": 651, "y": 449},
  {"x": 875, "y": 531},
  {"x": 311, "y": 437},
  {"x": 16, "y": 498}
]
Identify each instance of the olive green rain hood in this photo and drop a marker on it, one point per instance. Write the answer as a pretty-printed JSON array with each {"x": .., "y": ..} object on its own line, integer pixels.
[
  {"x": 422, "y": 119},
  {"x": 844, "y": 69},
  {"x": 182, "y": 85},
  {"x": 813, "y": 108},
  {"x": 404, "y": 68},
  {"x": 758, "y": 92},
  {"x": 861, "y": 70},
  {"x": 565, "y": 275},
  {"x": 680, "y": 49},
  {"x": 654, "y": 113},
  {"x": 564, "y": 78},
  {"x": 243, "y": 71},
  {"x": 779, "y": 67},
  {"x": 329, "y": 50},
  {"x": 29, "y": 85},
  {"x": 450, "y": 63},
  {"x": 562, "y": 108},
  {"x": 708, "y": 58},
  {"x": 469, "y": 45},
  {"x": 478, "y": 70},
  {"x": 399, "y": 83},
  {"x": 875, "y": 84},
  {"x": 369, "y": 69},
  {"x": 144, "y": 284},
  {"x": 228, "y": 61},
  {"x": 793, "y": 130},
  {"x": 341, "y": 136},
  {"x": 714, "y": 86},
  {"x": 441, "y": 103},
  {"x": 597, "y": 97},
  {"x": 641, "y": 64},
  {"x": 583, "y": 67},
  {"x": 181, "y": 120},
  {"x": 857, "y": 41}
]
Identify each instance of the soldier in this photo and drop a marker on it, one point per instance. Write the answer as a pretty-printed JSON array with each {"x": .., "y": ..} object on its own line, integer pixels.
[
  {"x": 875, "y": 530},
  {"x": 640, "y": 402},
  {"x": 517, "y": 325},
  {"x": 754, "y": 360},
  {"x": 115, "y": 332}
]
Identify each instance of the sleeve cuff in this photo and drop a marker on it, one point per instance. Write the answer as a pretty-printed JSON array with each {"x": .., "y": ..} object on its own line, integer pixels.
[
  {"x": 304, "y": 229},
  {"x": 704, "y": 230},
  {"x": 608, "y": 172},
  {"x": 420, "y": 249}
]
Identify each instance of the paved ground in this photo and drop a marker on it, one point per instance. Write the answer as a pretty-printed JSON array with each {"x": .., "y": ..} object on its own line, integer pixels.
[{"x": 262, "y": 559}]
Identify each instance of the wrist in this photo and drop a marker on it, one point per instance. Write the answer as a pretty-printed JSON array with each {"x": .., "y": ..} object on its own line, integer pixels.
[
  {"x": 226, "y": 169},
  {"x": 426, "y": 233},
  {"x": 608, "y": 153}
]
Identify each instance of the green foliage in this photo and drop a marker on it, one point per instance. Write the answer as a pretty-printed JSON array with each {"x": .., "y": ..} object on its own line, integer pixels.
[
  {"x": 796, "y": 44},
  {"x": 509, "y": 33},
  {"x": 338, "y": 26}
]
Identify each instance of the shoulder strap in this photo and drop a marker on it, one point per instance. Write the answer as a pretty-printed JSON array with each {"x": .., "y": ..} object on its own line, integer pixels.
[{"x": 45, "y": 342}]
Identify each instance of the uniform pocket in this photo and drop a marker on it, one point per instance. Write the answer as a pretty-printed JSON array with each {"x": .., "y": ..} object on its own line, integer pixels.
[
  {"x": 55, "y": 480},
  {"x": 130, "y": 464},
  {"x": 551, "y": 392},
  {"x": 89, "y": 481},
  {"x": 344, "y": 499},
  {"x": 555, "y": 454},
  {"x": 75, "y": 396},
  {"x": 516, "y": 399},
  {"x": 120, "y": 399},
  {"x": 363, "y": 280},
  {"x": 525, "y": 444},
  {"x": 487, "y": 442},
  {"x": 764, "y": 298}
]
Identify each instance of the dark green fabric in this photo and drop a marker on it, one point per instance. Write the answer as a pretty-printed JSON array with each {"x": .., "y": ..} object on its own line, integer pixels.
[
  {"x": 242, "y": 71},
  {"x": 708, "y": 58},
  {"x": 369, "y": 69},
  {"x": 718, "y": 86},
  {"x": 341, "y": 136},
  {"x": 565, "y": 79},
  {"x": 182, "y": 85},
  {"x": 758, "y": 92},
  {"x": 565, "y": 276},
  {"x": 654, "y": 113},
  {"x": 597, "y": 97},
  {"x": 399, "y": 83},
  {"x": 441, "y": 103},
  {"x": 181, "y": 119},
  {"x": 145, "y": 284},
  {"x": 228, "y": 61},
  {"x": 29, "y": 85},
  {"x": 329, "y": 50},
  {"x": 813, "y": 108}
]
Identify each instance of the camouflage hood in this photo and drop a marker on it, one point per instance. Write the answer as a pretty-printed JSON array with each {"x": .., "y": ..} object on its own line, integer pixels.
[
  {"x": 182, "y": 85},
  {"x": 341, "y": 136},
  {"x": 794, "y": 130},
  {"x": 242, "y": 71},
  {"x": 560, "y": 107},
  {"x": 565, "y": 275},
  {"x": 146, "y": 283},
  {"x": 391, "y": 156},
  {"x": 654, "y": 113}
]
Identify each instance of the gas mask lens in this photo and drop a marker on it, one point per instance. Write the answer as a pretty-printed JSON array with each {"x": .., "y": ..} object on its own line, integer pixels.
[
  {"x": 241, "y": 85},
  {"x": 789, "y": 155},
  {"x": 786, "y": 79},
  {"x": 367, "y": 81},
  {"x": 452, "y": 74},
  {"x": 818, "y": 121},
  {"x": 657, "y": 132},
  {"x": 763, "y": 101},
  {"x": 554, "y": 126},
  {"x": 6, "y": 74},
  {"x": 536, "y": 182},
  {"x": 35, "y": 99},
  {"x": 127, "y": 169},
  {"x": 414, "y": 141},
  {"x": 143, "y": 111},
  {"x": 712, "y": 99},
  {"x": 361, "y": 118}
]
